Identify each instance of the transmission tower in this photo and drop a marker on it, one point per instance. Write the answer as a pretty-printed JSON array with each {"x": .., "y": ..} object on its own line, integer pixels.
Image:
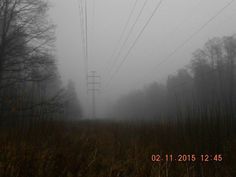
[{"x": 93, "y": 83}]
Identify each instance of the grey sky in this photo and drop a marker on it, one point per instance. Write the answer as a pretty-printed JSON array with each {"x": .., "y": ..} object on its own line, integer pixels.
[{"x": 173, "y": 23}]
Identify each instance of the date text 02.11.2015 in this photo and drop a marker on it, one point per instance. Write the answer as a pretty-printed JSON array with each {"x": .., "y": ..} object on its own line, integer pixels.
[{"x": 187, "y": 158}]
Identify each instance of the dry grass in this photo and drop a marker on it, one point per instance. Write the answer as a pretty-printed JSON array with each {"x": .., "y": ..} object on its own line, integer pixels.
[{"x": 110, "y": 149}]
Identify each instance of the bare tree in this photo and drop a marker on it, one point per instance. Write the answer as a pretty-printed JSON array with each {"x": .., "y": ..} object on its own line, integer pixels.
[
  {"x": 29, "y": 81},
  {"x": 25, "y": 40}
]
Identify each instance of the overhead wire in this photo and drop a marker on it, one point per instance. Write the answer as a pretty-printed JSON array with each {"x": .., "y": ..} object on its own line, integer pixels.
[
  {"x": 123, "y": 31},
  {"x": 136, "y": 39},
  {"x": 82, "y": 26},
  {"x": 128, "y": 35},
  {"x": 86, "y": 34},
  {"x": 194, "y": 34}
]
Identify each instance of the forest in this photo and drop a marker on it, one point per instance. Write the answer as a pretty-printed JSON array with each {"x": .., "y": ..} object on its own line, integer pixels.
[
  {"x": 204, "y": 91},
  {"x": 30, "y": 86},
  {"x": 42, "y": 133}
]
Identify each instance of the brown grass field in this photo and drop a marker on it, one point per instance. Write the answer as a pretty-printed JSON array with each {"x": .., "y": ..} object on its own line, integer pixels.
[{"x": 112, "y": 149}]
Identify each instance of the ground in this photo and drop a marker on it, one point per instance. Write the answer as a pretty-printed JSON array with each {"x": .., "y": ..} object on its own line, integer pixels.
[{"x": 110, "y": 149}]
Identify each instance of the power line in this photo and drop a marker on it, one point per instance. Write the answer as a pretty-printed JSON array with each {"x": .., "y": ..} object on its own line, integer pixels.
[
  {"x": 94, "y": 4},
  {"x": 194, "y": 34},
  {"x": 86, "y": 34},
  {"x": 128, "y": 35},
  {"x": 188, "y": 16},
  {"x": 82, "y": 25},
  {"x": 123, "y": 31},
  {"x": 92, "y": 31},
  {"x": 137, "y": 38}
]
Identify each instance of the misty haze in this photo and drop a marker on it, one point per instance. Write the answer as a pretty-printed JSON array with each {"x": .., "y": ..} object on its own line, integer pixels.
[{"x": 117, "y": 88}]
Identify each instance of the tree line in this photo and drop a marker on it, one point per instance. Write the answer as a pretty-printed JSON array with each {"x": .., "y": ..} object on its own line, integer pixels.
[
  {"x": 203, "y": 92},
  {"x": 30, "y": 85}
]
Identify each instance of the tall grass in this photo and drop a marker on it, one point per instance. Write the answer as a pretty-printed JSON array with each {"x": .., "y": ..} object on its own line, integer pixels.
[{"x": 112, "y": 149}]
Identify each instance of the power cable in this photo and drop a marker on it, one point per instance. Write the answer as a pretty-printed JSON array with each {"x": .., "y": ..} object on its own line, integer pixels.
[
  {"x": 194, "y": 34},
  {"x": 128, "y": 35},
  {"x": 123, "y": 31},
  {"x": 136, "y": 40}
]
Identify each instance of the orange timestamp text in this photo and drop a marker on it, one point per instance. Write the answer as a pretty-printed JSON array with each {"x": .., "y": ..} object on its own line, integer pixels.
[{"x": 186, "y": 158}]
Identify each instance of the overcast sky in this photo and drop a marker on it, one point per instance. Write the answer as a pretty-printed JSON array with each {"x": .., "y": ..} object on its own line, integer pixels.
[{"x": 173, "y": 23}]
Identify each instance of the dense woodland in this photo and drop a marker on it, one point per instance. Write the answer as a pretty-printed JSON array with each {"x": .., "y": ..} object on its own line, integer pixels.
[
  {"x": 203, "y": 91},
  {"x": 30, "y": 86}
]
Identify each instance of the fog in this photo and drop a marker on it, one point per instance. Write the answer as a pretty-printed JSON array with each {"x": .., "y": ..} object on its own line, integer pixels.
[{"x": 170, "y": 27}]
